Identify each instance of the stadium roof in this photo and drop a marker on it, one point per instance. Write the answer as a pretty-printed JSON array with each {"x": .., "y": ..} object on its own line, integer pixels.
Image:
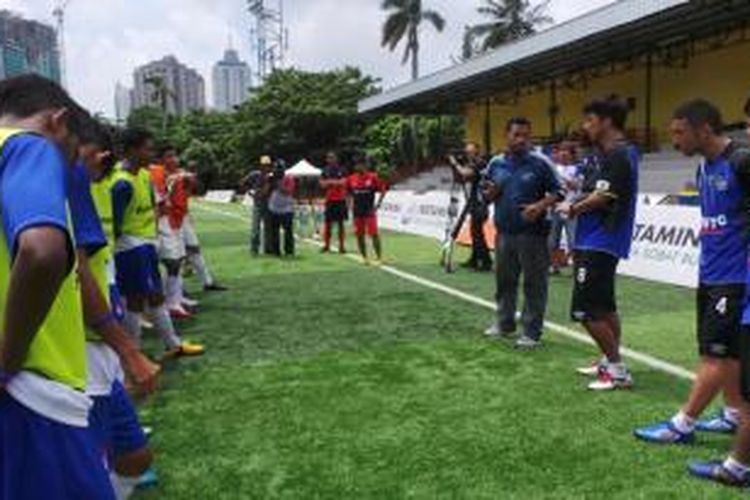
[{"x": 616, "y": 32}]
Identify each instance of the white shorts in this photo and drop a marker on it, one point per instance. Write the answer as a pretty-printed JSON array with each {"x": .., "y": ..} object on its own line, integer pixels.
[
  {"x": 103, "y": 369},
  {"x": 171, "y": 245},
  {"x": 189, "y": 237}
]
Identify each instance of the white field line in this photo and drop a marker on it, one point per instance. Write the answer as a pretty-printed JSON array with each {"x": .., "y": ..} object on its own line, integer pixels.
[{"x": 642, "y": 358}]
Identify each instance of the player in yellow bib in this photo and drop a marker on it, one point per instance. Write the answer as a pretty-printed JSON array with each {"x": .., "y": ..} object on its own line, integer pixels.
[
  {"x": 136, "y": 259},
  {"x": 110, "y": 350},
  {"x": 46, "y": 448}
]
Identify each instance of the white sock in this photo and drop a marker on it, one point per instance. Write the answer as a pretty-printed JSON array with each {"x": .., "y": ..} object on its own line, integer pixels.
[
  {"x": 173, "y": 291},
  {"x": 180, "y": 293},
  {"x": 199, "y": 264},
  {"x": 133, "y": 325},
  {"x": 683, "y": 423},
  {"x": 617, "y": 370},
  {"x": 731, "y": 415},
  {"x": 122, "y": 485},
  {"x": 159, "y": 316},
  {"x": 737, "y": 469}
]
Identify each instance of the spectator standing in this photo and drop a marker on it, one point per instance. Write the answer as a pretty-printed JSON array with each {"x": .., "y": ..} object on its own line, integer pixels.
[
  {"x": 281, "y": 211},
  {"x": 523, "y": 186}
]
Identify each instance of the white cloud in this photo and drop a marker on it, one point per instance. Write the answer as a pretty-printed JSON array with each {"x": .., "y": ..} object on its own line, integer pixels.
[{"x": 107, "y": 39}]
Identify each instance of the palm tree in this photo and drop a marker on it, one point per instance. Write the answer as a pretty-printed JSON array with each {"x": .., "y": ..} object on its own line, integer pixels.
[
  {"x": 509, "y": 20},
  {"x": 404, "y": 20},
  {"x": 161, "y": 94}
]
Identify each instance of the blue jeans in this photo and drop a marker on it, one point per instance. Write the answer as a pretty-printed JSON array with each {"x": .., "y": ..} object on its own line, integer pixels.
[{"x": 257, "y": 227}]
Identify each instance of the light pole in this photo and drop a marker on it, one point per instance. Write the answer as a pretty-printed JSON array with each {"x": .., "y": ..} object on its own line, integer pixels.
[
  {"x": 59, "y": 14},
  {"x": 270, "y": 38}
]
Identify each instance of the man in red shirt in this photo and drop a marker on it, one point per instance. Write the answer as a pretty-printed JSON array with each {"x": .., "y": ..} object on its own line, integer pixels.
[
  {"x": 362, "y": 185},
  {"x": 333, "y": 181}
]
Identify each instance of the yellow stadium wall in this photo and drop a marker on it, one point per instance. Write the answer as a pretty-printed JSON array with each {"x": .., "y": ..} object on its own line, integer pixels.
[{"x": 720, "y": 75}]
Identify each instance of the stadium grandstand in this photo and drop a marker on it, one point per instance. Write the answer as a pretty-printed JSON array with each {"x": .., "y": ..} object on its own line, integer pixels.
[{"x": 655, "y": 53}]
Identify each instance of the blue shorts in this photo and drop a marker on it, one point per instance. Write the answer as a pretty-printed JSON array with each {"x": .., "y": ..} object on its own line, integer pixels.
[
  {"x": 115, "y": 304},
  {"x": 114, "y": 424},
  {"x": 42, "y": 459},
  {"x": 138, "y": 272}
]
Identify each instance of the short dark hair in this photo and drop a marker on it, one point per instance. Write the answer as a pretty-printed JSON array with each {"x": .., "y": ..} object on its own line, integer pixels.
[
  {"x": 699, "y": 112},
  {"x": 166, "y": 149},
  {"x": 98, "y": 134},
  {"x": 747, "y": 107},
  {"x": 612, "y": 106},
  {"x": 26, "y": 95},
  {"x": 134, "y": 138},
  {"x": 517, "y": 120},
  {"x": 359, "y": 159}
]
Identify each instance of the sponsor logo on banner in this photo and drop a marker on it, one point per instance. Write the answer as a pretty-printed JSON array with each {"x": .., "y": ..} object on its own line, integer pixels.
[
  {"x": 666, "y": 245},
  {"x": 219, "y": 196},
  {"x": 665, "y": 249}
]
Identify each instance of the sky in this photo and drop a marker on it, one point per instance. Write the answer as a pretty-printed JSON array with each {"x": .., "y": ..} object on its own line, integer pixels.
[{"x": 107, "y": 39}]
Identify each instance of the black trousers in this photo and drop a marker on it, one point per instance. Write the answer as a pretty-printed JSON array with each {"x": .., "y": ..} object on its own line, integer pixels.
[
  {"x": 480, "y": 254},
  {"x": 281, "y": 222},
  {"x": 527, "y": 255}
]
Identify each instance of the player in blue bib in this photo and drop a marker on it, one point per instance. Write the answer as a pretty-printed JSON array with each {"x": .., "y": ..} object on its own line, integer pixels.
[
  {"x": 735, "y": 469},
  {"x": 605, "y": 220},
  {"x": 723, "y": 181}
]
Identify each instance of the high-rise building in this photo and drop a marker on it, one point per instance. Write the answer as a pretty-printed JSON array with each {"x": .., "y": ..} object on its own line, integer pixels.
[
  {"x": 183, "y": 88},
  {"x": 123, "y": 102},
  {"x": 232, "y": 80},
  {"x": 27, "y": 46}
]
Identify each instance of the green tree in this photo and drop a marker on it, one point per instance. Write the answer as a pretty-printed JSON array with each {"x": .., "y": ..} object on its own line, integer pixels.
[
  {"x": 298, "y": 114},
  {"x": 391, "y": 144},
  {"x": 507, "y": 20},
  {"x": 404, "y": 20},
  {"x": 150, "y": 118}
]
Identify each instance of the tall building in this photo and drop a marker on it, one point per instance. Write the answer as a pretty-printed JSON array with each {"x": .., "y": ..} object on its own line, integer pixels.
[
  {"x": 123, "y": 102},
  {"x": 232, "y": 80},
  {"x": 185, "y": 87},
  {"x": 27, "y": 46}
]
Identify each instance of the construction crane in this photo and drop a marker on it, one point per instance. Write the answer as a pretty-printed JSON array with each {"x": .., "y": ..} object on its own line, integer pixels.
[
  {"x": 269, "y": 36},
  {"x": 59, "y": 14}
]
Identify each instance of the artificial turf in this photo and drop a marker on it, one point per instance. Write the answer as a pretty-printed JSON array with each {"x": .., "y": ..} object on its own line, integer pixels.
[{"x": 327, "y": 379}]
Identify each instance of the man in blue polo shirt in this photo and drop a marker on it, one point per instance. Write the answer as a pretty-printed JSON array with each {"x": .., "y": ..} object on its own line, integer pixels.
[
  {"x": 605, "y": 218},
  {"x": 523, "y": 186},
  {"x": 723, "y": 181}
]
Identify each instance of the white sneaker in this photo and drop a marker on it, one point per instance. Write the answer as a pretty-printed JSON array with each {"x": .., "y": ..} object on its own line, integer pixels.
[
  {"x": 593, "y": 369},
  {"x": 606, "y": 381},
  {"x": 186, "y": 302},
  {"x": 493, "y": 330},
  {"x": 525, "y": 342}
]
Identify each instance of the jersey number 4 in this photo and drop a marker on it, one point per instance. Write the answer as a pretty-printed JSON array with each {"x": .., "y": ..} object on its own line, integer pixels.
[{"x": 721, "y": 306}]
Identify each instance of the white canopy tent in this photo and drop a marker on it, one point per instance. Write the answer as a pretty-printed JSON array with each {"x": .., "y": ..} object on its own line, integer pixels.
[{"x": 304, "y": 169}]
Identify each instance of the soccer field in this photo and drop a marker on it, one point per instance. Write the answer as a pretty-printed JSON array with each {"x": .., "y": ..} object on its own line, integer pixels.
[{"x": 328, "y": 379}]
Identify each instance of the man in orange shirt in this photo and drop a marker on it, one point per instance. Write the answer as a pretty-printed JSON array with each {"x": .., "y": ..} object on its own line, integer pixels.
[
  {"x": 171, "y": 208},
  {"x": 189, "y": 182}
]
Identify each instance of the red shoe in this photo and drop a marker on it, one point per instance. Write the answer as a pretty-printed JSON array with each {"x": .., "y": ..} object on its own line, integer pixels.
[{"x": 179, "y": 313}]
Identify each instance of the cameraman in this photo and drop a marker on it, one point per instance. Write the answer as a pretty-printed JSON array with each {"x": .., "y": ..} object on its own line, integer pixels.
[
  {"x": 257, "y": 184},
  {"x": 471, "y": 172}
]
